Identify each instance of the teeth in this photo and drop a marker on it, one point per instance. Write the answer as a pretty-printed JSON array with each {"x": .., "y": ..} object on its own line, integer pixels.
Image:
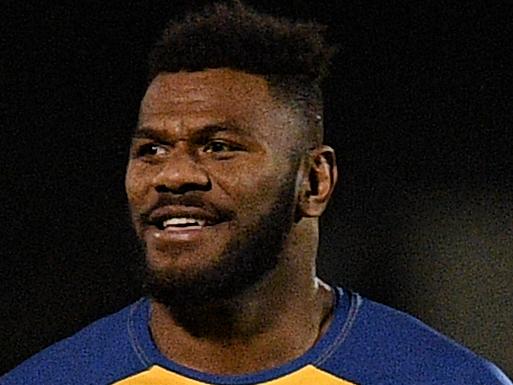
[{"x": 184, "y": 221}]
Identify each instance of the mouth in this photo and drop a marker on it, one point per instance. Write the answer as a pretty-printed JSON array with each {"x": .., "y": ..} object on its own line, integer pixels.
[{"x": 181, "y": 223}]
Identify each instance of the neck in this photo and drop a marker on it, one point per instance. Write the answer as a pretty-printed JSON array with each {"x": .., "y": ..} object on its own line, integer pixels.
[{"x": 269, "y": 325}]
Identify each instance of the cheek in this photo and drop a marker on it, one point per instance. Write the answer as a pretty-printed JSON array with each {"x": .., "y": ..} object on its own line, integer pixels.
[
  {"x": 254, "y": 189},
  {"x": 137, "y": 182}
]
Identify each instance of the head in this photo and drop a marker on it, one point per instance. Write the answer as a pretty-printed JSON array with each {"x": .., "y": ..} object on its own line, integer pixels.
[{"x": 227, "y": 166}]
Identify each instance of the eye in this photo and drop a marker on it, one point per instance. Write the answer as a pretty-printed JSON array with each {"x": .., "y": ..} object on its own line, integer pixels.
[
  {"x": 150, "y": 149},
  {"x": 219, "y": 146}
]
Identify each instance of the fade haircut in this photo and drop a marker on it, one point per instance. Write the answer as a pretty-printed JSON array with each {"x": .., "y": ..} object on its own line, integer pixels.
[{"x": 292, "y": 56}]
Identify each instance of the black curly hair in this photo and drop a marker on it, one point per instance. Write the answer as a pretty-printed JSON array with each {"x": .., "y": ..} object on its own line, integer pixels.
[{"x": 293, "y": 56}]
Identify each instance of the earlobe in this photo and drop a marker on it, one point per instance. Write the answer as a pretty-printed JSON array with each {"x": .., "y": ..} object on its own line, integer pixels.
[{"x": 318, "y": 183}]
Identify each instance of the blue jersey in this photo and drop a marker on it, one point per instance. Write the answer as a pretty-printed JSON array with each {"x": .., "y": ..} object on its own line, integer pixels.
[{"x": 366, "y": 343}]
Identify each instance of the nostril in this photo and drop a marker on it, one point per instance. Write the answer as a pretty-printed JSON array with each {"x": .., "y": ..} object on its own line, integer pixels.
[
  {"x": 180, "y": 176},
  {"x": 161, "y": 188},
  {"x": 183, "y": 187}
]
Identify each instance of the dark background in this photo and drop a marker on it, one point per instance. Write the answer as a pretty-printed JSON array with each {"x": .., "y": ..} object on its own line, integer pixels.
[{"x": 419, "y": 110}]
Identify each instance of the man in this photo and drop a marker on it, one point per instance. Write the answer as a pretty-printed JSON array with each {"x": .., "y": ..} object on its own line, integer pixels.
[{"x": 227, "y": 177}]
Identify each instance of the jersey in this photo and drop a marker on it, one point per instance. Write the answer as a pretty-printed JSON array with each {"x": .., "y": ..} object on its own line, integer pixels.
[{"x": 366, "y": 343}]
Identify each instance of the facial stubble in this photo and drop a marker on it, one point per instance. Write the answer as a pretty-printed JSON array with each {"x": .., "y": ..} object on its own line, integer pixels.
[{"x": 246, "y": 260}]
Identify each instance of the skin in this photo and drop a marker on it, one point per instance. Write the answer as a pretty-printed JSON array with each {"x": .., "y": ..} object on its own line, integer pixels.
[{"x": 237, "y": 172}]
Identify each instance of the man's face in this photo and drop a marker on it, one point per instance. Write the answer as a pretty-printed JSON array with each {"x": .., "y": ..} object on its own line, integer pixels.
[{"x": 211, "y": 182}]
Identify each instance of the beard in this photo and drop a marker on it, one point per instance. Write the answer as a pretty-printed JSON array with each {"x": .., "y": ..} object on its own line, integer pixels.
[{"x": 246, "y": 260}]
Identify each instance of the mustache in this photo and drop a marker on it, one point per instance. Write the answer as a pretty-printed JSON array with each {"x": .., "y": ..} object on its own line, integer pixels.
[{"x": 189, "y": 200}]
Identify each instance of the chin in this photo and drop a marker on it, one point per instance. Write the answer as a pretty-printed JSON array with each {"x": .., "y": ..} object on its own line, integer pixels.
[
  {"x": 174, "y": 264},
  {"x": 190, "y": 278}
]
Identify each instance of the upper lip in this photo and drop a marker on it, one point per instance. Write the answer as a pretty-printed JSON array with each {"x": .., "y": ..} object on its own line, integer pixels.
[{"x": 159, "y": 215}]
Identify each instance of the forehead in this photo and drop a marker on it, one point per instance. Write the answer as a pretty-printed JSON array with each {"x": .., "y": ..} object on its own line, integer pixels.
[
  {"x": 192, "y": 100},
  {"x": 222, "y": 90}
]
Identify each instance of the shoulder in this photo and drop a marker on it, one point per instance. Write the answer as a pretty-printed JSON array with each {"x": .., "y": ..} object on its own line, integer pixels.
[
  {"x": 396, "y": 345},
  {"x": 81, "y": 358}
]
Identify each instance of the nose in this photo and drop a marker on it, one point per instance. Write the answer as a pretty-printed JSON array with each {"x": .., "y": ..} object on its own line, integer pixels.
[{"x": 181, "y": 174}]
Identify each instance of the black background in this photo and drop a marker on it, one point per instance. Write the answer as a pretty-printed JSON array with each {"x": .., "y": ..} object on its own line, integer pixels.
[{"x": 419, "y": 110}]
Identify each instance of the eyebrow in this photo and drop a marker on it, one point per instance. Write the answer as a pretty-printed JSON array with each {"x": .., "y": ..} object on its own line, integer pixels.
[{"x": 148, "y": 132}]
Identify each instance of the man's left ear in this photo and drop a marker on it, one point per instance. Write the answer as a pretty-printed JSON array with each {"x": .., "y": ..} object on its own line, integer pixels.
[{"x": 318, "y": 182}]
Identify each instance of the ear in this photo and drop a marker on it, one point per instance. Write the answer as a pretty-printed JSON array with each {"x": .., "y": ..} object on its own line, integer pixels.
[{"x": 318, "y": 182}]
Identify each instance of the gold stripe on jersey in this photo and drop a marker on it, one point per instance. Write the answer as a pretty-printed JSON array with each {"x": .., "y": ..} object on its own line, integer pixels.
[{"x": 308, "y": 375}]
